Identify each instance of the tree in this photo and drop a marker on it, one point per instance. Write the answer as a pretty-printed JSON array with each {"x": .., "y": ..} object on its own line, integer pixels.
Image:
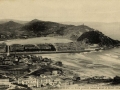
[{"x": 116, "y": 80}]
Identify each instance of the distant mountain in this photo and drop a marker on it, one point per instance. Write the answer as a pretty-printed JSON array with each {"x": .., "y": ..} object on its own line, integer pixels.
[
  {"x": 17, "y": 21},
  {"x": 110, "y": 29},
  {"x": 42, "y": 27},
  {"x": 10, "y": 27},
  {"x": 97, "y": 37},
  {"x": 53, "y": 28},
  {"x": 38, "y": 28}
]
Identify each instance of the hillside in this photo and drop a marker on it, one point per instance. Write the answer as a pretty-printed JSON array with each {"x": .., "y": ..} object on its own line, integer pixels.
[
  {"x": 38, "y": 28},
  {"x": 10, "y": 25},
  {"x": 96, "y": 37},
  {"x": 52, "y": 28},
  {"x": 110, "y": 29},
  {"x": 10, "y": 28}
]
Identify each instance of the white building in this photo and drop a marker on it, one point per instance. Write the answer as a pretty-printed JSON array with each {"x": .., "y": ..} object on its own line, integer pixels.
[
  {"x": 54, "y": 72},
  {"x": 4, "y": 82},
  {"x": 30, "y": 81},
  {"x": 42, "y": 80}
]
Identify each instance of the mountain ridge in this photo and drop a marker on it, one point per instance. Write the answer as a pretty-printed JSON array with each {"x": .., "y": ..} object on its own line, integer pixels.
[{"x": 38, "y": 28}]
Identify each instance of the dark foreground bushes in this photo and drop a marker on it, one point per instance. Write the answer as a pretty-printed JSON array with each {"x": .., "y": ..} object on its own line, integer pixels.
[{"x": 116, "y": 80}]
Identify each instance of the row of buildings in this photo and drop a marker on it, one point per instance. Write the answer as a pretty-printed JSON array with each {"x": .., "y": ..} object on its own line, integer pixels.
[
  {"x": 44, "y": 81},
  {"x": 39, "y": 81}
]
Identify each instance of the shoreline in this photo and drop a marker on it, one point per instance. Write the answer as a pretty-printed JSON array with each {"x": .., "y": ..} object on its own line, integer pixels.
[{"x": 57, "y": 52}]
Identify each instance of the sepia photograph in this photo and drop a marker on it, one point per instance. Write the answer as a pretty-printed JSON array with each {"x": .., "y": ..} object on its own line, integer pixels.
[{"x": 59, "y": 44}]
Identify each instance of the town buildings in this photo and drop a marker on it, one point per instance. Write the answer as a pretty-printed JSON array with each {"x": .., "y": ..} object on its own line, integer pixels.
[
  {"x": 39, "y": 81},
  {"x": 4, "y": 82}
]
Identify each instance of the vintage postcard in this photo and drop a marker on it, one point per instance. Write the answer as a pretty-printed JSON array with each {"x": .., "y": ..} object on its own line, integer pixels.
[{"x": 59, "y": 44}]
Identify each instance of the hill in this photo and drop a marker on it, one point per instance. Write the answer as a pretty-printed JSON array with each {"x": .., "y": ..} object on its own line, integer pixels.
[
  {"x": 37, "y": 28},
  {"x": 47, "y": 28},
  {"x": 110, "y": 29},
  {"x": 97, "y": 37},
  {"x": 10, "y": 29}
]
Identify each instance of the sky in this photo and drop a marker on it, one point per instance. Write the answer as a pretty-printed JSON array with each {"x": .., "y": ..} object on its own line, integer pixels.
[
  {"x": 61, "y": 10},
  {"x": 105, "y": 11}
]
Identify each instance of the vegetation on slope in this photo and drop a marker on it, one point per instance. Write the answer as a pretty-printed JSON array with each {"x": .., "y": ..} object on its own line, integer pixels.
[
  {"x": 96, "y": 37},
  {"x": 38, "y": 28}
]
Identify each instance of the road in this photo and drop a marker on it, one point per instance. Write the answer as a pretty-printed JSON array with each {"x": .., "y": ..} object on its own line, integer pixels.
[{"x": 46, "y": 52}]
